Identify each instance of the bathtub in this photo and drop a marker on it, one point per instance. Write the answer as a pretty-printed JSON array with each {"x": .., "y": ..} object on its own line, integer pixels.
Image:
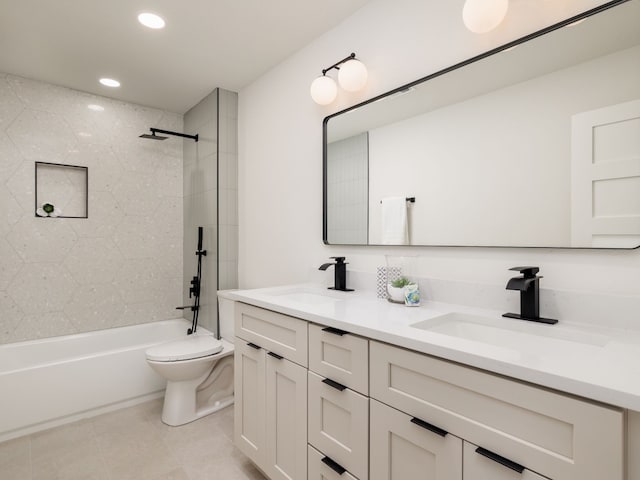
[{"x": 48, "y": 382}]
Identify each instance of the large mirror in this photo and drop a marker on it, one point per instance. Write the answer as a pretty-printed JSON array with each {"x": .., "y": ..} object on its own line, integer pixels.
[{"x": 534, "y": 144}]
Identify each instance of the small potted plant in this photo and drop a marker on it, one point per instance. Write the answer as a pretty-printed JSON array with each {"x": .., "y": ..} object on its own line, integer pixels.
[{"x": 395, "y": 288}]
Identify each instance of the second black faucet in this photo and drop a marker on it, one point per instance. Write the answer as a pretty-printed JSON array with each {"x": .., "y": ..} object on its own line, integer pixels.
[{"x": 340, "y": 277}]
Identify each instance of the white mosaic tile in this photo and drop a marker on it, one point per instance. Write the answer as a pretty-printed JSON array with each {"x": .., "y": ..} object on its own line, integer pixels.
[
  {"x": 105, "y": 214},
  {"x": 22, "y": 185},
  {"x": 137, "y": 193},
  {"x": 41, "y": 287},
  {"x": 10, "y": 264},
  {"x": 10, "y": 211},
  {"x": 42, "y": 96},
  {"x": 94, "y": 261},
  {"x": 133, "y": 237},
  {"x": 139, "y": 281},
  {"x": 10, "y": 104},
  {"x": 10, "y": 318},
  {"x": 95, "y": 307},
  {"x": 104, "y": 168},
  {"x": 42, "y": 240},
  {"x": 42, "y": 136},
  {"x": 10, "y": 158},
  {"x": 43, "y": 325}
]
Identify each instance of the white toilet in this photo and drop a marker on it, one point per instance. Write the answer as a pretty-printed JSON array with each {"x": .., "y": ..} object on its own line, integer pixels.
[{"x": 199, "y": 373}]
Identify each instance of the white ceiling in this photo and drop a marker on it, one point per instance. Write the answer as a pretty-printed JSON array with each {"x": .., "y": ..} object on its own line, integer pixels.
[{"x": 206, "y": 43}]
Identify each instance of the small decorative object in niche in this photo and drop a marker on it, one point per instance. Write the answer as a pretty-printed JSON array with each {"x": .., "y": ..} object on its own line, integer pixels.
[
  {"x": 61, "y": 190},
  {"x": 48, "y": 210}
]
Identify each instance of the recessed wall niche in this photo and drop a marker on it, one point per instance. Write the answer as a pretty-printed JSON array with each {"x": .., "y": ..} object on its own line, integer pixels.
[{"x": 61, "y": 190}]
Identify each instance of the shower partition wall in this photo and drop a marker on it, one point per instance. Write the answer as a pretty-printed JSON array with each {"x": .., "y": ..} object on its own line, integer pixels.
[{"x": 211, "y": 199}]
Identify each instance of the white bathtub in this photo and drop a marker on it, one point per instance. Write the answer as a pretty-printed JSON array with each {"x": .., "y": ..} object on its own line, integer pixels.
[{"x": 44, "y": 383}]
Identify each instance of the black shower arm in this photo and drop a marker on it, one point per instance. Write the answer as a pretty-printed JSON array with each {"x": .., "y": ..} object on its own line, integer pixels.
[{"x": 177, "y": 134}]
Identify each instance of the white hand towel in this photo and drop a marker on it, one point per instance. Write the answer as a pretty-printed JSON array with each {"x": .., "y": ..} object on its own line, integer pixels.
[{"x": 394, "y": 221}]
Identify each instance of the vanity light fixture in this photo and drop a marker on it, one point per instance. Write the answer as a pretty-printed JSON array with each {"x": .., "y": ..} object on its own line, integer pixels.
[
  {"x": 352, "y": 76},
  {"x": 151, "y": 20},
  {"x": 109, "y": 82},
  {"x": 482, "y": 16}
]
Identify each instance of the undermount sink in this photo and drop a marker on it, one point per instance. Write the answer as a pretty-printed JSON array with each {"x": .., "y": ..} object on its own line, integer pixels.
[
  {"x": 307, "y": 297},
  {"x": 505, "y": 332}
]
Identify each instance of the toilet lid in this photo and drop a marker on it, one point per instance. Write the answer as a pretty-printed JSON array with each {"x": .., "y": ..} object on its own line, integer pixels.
[{"x": 190, "y": 347}]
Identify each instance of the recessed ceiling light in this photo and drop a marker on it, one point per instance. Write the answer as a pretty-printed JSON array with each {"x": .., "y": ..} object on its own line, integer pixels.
[
  {"x": 151, "y": 20},
  {"x": 109, "y": 82},
  {"x": 95, "y": 108}
]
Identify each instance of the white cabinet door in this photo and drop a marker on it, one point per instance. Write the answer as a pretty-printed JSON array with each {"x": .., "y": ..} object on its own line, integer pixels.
[
  {"x": 402, "y": 449},
  {"x": 249, "y": 410},
  {"x": 480, "y": 464},
  {"x": 286, "y": 419}
]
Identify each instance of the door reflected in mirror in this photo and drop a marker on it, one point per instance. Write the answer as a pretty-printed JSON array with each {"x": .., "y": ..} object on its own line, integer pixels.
[{"x": 533, "y": 146}]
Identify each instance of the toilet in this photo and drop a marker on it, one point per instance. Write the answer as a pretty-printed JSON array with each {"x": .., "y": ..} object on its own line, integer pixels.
[{"x": 199, "y": 373}]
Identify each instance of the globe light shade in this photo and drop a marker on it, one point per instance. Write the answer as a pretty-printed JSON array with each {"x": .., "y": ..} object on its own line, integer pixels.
[
  {"x": 482, "y": 16},
  {"x": 324, "y": 90},
  {"x": 352, "y": 75}
]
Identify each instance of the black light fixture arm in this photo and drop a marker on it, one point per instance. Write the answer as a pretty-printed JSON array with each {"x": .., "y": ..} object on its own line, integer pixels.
[
  {"x": 176, "y": 134},
  {"x": 337, "y": 64}
]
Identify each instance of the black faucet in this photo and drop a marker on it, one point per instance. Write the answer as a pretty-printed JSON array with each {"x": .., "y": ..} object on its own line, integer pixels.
[
  {"x": 529, "y": 287},
  {"x": 340, "y": 281}
]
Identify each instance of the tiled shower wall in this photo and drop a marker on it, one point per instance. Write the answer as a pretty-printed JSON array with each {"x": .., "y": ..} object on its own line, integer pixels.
[
  {"x": 347, "y": 185},
  {"x": 210, "y": 199},
  {"x": 120, "y": 266}
]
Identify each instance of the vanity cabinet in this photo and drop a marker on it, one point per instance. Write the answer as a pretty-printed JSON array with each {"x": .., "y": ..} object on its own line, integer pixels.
[
  {"x": 404, "y": 447},
  {"x": 319, "y": 403},
  {"x": 480, "y": 464},
  {"x": 338, "y": 427},
  {"x": 270, "y": 416},
  {"x": 555, "y": 435}
]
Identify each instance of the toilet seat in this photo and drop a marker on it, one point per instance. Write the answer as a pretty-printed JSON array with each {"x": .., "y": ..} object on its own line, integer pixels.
[{"x": 189, "y": 348}]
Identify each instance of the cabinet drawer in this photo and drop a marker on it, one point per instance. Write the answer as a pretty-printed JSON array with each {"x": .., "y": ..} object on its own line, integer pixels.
[
  {"x": 553, "y": 434},
  {"x": 277, "y": 333},
  {"x": 343, "y": 358},
  {"x": 480, "y": 467},
  {"x": 339, "y": 425},
  {"x": 402, "y": 449},
  {"x": 318, "y": 470}
]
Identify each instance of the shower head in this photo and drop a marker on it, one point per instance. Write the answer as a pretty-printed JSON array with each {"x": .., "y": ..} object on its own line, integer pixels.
[
  {"x": 153, "y": 136},
  {"x": 155, "y": 131}
]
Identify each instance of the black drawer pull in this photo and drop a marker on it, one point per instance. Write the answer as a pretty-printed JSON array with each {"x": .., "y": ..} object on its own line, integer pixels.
[
  {"x": 499, "y": 459},
  {"x": 275, "y": 355},
  {"x": 428, "y": 426},
  {"x": 336, "y": 467},
  {"x": 336, "y": 385},
  {"x": 335, "y": 331},
  {"x": 253, "y": 345}
]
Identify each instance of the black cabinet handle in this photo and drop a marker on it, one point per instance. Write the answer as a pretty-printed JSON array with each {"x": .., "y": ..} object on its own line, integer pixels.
[
  {"x": 500, "y": 459},
  {"x": 335, "y": 466},
  {"x": 335, "y": 331},
  {"x": 428, "y": 426},
  {"x": 253, "y": 345},
  {"x": 331, "y": 383},
  {"x": 275, "y": 355}
]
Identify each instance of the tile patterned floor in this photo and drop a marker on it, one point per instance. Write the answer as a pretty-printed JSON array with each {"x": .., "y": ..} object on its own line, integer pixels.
[{"x": 129, "y": 444}]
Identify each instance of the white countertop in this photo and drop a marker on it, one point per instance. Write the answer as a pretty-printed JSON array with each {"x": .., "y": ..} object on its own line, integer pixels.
[{"x": 596, "y": 363}]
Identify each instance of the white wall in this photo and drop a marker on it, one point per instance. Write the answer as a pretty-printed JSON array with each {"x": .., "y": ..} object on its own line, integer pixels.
[
  {"x": 450, "y": 156},
  {"x": 280, "y": 150}
]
